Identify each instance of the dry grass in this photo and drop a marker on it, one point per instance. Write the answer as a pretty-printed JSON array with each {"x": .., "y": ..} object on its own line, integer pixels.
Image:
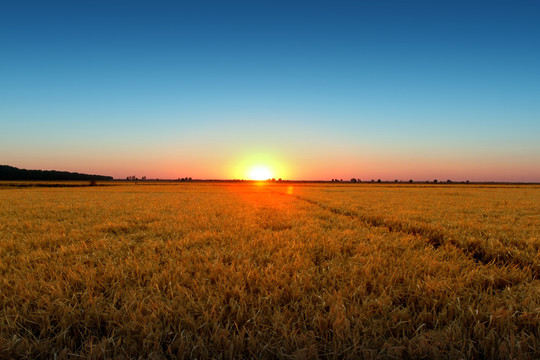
[{"x": 302, "y": 271}]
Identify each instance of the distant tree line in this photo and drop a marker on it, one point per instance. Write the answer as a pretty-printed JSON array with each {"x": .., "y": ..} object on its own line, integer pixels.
[
  {"x": 135, "y": 178},
  {"x": 12, "y": 173},
  {"x": 355, "y": 180}
]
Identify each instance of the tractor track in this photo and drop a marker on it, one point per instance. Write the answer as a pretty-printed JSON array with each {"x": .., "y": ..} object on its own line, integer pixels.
[{"x": 436, "y": 238}]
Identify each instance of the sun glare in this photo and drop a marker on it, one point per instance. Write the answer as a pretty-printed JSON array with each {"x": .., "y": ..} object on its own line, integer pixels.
[
  {"x": 258, "y": 166},
  {"x": 260, "y": 173}
]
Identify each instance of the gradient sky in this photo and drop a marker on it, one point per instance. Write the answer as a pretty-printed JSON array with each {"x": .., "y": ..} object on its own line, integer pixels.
[{"x": 315, "y": 90}]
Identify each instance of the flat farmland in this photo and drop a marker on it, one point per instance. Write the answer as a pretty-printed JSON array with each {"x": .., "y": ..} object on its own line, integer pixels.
[{"x": 272, "y": 270}]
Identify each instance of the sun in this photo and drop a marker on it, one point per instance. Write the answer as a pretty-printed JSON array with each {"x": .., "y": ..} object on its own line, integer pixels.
[
  {"x": 258, "y": 166},
  {"x": 260, "y": 173}
]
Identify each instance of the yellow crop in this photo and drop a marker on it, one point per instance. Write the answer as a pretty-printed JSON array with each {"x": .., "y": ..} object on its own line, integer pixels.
[{"x": 218, "y": 270}]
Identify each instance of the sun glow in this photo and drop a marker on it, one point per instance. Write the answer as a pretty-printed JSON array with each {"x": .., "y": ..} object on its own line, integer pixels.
[
  {"x": 260, "y": 173},
  {"x": 259, "y": 166}
]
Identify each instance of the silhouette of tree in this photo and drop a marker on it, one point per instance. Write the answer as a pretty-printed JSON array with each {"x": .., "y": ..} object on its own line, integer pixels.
[{"x": 12, "y": 173}]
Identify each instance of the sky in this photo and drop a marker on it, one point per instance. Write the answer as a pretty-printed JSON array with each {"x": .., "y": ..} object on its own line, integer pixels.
[{"x": 310, "y": 90}]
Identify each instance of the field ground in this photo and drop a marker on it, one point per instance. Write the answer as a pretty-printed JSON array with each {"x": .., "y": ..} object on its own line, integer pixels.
[{"x": 217, "y": 270}]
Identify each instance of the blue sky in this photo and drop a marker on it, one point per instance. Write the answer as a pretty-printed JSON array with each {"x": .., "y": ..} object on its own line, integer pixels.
[{"x": 388, "y": 89}]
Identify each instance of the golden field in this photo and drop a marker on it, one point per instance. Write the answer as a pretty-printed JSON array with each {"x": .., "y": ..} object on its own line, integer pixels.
[{"x": 244, "y": 270}]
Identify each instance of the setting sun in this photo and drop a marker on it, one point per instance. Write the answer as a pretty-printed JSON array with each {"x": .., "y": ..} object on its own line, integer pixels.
[
  {"x": 259, "y": 165},
  {"x": 260, "y": 173}
]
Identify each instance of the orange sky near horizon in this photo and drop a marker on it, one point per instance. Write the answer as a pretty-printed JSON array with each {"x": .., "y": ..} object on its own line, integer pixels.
[{"x": 323, "y": 165}]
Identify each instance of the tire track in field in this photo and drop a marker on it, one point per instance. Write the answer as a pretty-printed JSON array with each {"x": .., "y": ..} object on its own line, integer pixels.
[{"x": 436, "y": 238}]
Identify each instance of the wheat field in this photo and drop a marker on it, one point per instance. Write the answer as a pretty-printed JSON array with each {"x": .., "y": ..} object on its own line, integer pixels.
[{"x": 284, "y": 270}]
